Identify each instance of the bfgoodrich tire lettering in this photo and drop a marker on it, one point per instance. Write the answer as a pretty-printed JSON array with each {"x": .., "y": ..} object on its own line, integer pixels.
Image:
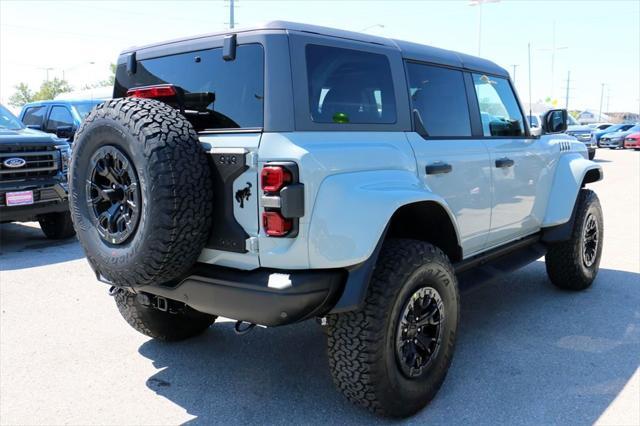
[
  {"x": 174, "y": 187},
  {"x": 361, "y": 344},
  {"x": 574, "y": 264}
]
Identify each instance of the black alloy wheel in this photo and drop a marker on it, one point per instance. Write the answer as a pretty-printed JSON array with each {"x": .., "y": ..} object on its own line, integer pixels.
[{"x": 113, "y": 195}]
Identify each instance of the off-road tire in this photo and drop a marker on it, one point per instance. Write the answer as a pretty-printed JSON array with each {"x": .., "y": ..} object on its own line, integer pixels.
[
  {"x": 57, "y": 226},
  {"x": 175, "y": 191},
  {"x": 565, "y": 262},
  {"x": 361, "y": 344},
  {"x": 161, "y": 325}
]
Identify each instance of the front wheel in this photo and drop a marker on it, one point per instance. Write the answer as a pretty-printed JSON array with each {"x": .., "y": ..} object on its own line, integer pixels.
[
  {"x": 393, "y": 354},
  {"x": 57, "y": 226},
  {"x": 574, "y": 264}
]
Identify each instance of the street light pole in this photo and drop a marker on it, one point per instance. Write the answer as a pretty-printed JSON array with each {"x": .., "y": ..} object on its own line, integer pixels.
[
  {"x": 601, "y": 97},
  {"x": 479, "y": 4}
]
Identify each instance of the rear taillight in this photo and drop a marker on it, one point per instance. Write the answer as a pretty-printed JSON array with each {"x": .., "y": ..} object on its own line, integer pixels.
[
  {"x": 153, "y": 92},
  {"x": 283, "y": 199},
  {"x": 274, "y": 178},
  {"x": 275, "y": 225}
]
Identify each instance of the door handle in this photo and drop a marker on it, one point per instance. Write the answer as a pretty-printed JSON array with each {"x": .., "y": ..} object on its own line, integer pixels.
[
  {"x": 503, "y": 163},
  {"x": 438, "y": 168}
]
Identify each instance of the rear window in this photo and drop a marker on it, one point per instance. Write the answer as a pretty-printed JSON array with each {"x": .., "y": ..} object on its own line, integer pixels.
[
  {"x": 218, "y": 94},
  {"x": 349, "y": 86}
]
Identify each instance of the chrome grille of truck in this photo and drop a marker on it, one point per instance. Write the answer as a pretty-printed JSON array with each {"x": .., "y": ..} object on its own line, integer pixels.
[{"x": 39, "y": 162}]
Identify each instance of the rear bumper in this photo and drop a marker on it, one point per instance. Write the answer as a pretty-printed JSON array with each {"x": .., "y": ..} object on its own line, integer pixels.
[{"x": 263, "y": 296}]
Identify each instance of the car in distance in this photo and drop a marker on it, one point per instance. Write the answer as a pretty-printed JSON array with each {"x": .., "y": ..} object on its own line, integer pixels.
[
  {"x": 600, "y": 126},
  {"x": 615, "y": 140},
  {"x": 289, "y": 172},
  {"x": 632, "y": 141},
  {"x": 33, "y": 177},
  {"x": 59, "y": 117},
  {"x": 597, "y": 135},
  {"x": 584, "y": 134}
]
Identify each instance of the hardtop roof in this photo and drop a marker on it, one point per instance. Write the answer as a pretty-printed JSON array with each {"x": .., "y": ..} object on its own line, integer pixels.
[{"x": 409, "y": 50}]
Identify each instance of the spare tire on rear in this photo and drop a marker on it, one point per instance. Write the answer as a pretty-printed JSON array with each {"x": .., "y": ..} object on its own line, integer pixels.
[{"x": 140, "y": 192}]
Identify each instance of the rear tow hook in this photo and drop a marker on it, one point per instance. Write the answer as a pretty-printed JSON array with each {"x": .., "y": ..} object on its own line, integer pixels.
[{"x": 241, "y": 329}]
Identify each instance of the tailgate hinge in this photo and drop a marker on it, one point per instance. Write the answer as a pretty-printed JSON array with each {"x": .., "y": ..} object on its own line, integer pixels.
[{"x": 252, "y": 245}]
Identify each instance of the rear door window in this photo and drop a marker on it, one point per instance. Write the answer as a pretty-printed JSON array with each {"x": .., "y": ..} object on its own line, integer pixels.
[
  {"x": 440, "y": 99},
  {"x": 218, "y": 94},
  {"x": 499, "y": 110},
  {"x": 349, "y": 86},
  {"x": 60, "y": 116},
  {"x": 34, "y": 116}
]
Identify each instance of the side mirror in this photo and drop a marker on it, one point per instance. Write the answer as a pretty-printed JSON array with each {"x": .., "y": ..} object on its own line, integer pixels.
[
  {"x": 65, "y": 132},
  {"x": 34, "y": 126},
  {"x": 555, "y": 121}
]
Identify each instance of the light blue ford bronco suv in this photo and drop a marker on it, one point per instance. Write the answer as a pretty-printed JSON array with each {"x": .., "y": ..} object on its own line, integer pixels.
[{"x": 289, "y": 172}]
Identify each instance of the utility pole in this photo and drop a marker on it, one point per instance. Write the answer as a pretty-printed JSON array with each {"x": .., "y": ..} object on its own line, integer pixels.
[
  {"x": 530, "y": 106},
  {"x": 232, "y": 22},
  {"x": 553, "y": 50},
  {"x": 608, "y": 98},
  {"x": 566, "y": 99},
  {"x": 601, "y": 96},
  {"x": 514, "y": 72}
]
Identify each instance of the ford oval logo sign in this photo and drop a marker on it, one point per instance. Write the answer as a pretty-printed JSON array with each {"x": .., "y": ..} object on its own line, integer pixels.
[{"x": 14, "y": 163}]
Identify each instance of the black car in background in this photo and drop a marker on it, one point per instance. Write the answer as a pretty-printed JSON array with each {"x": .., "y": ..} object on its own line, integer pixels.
[
  {"x": 59, "y": 117},
  {"x": 33, "y": 177}
]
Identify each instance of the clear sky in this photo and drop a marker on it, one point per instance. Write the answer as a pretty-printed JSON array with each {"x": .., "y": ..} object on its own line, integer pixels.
[{"x": 600, "y": 39}]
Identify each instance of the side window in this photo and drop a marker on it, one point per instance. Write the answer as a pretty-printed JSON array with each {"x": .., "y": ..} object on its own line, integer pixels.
[
  {"x": 60, "y": 116},
  {"x": 439, "y": 96},
  {"x": 34, "y": 116},
  {"x": 349, "y": 86},
  {"x": 499, "y": 109}
]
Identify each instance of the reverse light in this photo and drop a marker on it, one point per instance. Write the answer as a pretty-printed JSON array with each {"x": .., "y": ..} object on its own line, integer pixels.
[
  {"x": 275, "y": 225},
  {"x": 153, "y": 92},
  {"x": 273, "y": 178}
]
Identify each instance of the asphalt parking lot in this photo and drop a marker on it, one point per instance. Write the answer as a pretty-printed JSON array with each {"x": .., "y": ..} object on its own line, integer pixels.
[{"x": 527, "y": 352}]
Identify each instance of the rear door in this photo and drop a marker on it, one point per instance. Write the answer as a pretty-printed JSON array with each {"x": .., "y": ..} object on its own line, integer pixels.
[
  {"x": 34, "y": 116},
  {"x": 451, "y": 162}
]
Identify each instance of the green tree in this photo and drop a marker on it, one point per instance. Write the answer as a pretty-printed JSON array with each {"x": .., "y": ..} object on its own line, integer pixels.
[
  {"x": 22, "y": 95},
  {"x": 50, "y": 89},
  {"x": 108, "y": 82}
]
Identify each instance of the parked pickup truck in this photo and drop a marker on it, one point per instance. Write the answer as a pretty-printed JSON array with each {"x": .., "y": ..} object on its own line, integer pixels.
[
  {"x": 33, "y": 177},
  {"x": 290, "y": 172}
]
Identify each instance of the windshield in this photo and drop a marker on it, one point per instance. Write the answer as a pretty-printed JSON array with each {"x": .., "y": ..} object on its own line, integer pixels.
[
  {"x": 85, "y": 108},
  {"x": 8, "y": 120}
]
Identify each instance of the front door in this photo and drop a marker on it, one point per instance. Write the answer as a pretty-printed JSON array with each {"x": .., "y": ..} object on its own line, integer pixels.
[
  {"x": 519, "y": 163},
  {"x": 451, "y": 162}
]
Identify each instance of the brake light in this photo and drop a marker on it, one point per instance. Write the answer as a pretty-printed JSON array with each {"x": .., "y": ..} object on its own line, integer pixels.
[
  {"x": 275, "y": 225},
  {"x": 273, "y": 178},
  {"x": 153, "y": 92}
]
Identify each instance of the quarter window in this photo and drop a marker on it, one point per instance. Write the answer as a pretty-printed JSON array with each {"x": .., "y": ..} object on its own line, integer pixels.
[
  {"x": 59, "y": 116},
  {"x": 439, "y": 97},
  {"x": 499, "y": 109},
  {"x": 34, "y": 116},
  {"x": 349, "y": 86}
]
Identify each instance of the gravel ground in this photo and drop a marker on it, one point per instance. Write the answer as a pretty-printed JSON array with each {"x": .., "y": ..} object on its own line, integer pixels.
[{"x": 527, "y": 353}]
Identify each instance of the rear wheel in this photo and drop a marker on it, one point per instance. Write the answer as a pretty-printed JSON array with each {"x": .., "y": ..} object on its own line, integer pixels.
[
  {"x": 165, "y": 320},
  {"x": 574, "y": 264},
  {"x": 392, "y": 355},
  {"x": 57, "y": 226}
]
